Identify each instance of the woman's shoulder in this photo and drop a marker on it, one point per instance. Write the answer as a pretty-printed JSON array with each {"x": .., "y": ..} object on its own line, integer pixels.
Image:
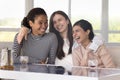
[
  {"x": 102, "y": 49},
  {"x": 50, "y": 34},
  {"x": 103, "y": 46}
]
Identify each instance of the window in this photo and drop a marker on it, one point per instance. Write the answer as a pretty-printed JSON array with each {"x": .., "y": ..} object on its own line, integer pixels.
[
  {"x": 52, "y": 5},
  {"x": 114, "y": 21},
  {"x": 11, "y": 14},
  {"x": 87, "y": 9},
  {"x": 104, "y": 21}
]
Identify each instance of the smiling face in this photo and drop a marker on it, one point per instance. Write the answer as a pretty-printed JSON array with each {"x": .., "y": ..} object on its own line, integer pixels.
[
  {"x": 80, "y": 35},
  {"x": 60, "y": 23},
  {"x": 39, "y": 25}
]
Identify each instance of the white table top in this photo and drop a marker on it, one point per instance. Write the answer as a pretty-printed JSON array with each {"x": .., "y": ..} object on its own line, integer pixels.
[{"x": 51, "y": 72}]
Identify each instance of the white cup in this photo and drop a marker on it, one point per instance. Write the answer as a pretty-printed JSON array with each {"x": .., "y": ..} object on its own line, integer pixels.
[{"x": 24, "y": 59}]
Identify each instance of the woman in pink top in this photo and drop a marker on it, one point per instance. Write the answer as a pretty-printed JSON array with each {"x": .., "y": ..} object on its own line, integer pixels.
[{"x": 83, "y": 34}]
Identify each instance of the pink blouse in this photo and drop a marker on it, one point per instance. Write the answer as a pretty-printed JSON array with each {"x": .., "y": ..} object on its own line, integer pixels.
[{"x": 102, "y": 55}]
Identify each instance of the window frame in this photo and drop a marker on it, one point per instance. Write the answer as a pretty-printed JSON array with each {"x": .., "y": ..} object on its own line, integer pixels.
[
  {"x": 104, "y": 21},
  {"x": 28, "y": 5}
]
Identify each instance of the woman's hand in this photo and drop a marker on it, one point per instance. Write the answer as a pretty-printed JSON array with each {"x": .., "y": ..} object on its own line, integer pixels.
[
  {"x": 84, "y": 60},
  {"x": 22, "y": 33}
]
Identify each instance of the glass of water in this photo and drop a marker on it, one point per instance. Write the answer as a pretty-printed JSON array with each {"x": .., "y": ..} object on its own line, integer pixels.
[
  {"x": 92, "y": 60},
  {"x": 24, "y": 59}
]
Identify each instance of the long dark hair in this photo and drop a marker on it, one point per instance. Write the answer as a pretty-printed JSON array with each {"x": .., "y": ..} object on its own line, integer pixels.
[
  {"x": 60, "y": 52},
  {"x": 85, "y": 25},
  {"x": 31, "y": 16}
]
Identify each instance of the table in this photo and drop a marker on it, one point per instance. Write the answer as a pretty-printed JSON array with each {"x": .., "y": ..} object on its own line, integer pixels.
[{"x": 51, "y": 72}]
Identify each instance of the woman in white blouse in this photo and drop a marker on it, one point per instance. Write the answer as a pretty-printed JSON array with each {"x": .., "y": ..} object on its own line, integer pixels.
[{"x": 60, "y": 25}]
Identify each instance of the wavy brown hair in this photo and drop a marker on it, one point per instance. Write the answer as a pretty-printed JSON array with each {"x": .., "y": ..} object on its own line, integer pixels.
[{"x": 60, "y": 52}]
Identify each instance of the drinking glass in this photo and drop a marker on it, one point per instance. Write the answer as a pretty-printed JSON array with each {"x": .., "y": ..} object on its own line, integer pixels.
[
  {"x": 24, "y": 60},
  {"x": 92, "y": 62}
]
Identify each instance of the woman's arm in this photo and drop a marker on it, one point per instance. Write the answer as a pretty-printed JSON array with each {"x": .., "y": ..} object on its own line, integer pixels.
[
  {"x": 53, "y": 49},
  {"x": 76, "y": 57},
  {"x": 106, "y": 57},
  {"x": 22, "y": 33},
  {"x": 84, "y": 60},
  {"x": 24, "y": 30},
  {"x": 16, "y": 49},
  {"x": 80, "y": 58},
  {"x": 96, "y": 43}
]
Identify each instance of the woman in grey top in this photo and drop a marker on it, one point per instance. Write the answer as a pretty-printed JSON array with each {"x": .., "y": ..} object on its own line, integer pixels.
[{"x": 40, "y": 46}]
